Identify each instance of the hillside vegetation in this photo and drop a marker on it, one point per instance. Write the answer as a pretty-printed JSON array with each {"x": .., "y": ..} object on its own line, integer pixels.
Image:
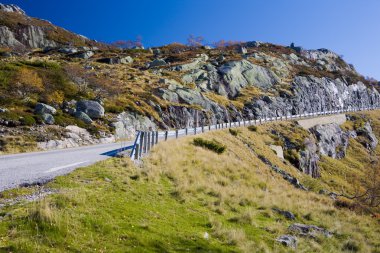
[{"x": 184, "y": 197}]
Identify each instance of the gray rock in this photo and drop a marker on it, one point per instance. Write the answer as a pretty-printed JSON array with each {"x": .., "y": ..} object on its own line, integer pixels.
[
  {"x": 286, "y": 214},
  {"x": 126, "y": 60},
  {"x": 84, "y": 55},
  {"x": 157, "y": 63},
  {"x": 367, "y": 132},
  {"x": 3, "y": 110},
  {"x": 44, "y": 108},
  {"x": 309, "y": 230},
  {"x": 156, "y": 51},
  {"x": 11, "y": 8},
  {"x": 242, "y": 50},
  {"x": 239, "y": 74},
  {"x": 288, "y": 240},
  {"x": 48, "y": 118},
  {"x": 83, "y": 117},
  {"x": 68, "y": 50},
  {"x": 309, "y": 159},
  {"x": 312, "y": 94},
  {"x": 127, "y": 125},
  {"x": 92, "y": 108},
  {"x": 253, "y": 44},
  {"x": 332, "y": 140}
]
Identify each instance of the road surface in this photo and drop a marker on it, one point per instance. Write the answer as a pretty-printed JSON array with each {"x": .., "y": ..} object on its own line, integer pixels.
[{"x": 39, "y": 167}]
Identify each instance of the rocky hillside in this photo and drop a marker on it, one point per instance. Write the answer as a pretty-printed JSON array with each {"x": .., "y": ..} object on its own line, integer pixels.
[
  {"x": 235, "y": 195},
  {"x": 51, "y": 79},
  {"x": 20, "y": 33}
]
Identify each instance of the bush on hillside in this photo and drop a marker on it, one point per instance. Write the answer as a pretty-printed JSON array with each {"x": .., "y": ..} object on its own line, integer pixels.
[{"x": 212, "y": 145}]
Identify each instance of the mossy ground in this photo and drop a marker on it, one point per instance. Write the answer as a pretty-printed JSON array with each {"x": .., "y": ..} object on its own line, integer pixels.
[{"x": 178, "y": 193}]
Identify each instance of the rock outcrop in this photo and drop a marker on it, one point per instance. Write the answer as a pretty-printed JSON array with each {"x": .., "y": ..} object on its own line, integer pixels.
[{"x": 332, "y": 140}]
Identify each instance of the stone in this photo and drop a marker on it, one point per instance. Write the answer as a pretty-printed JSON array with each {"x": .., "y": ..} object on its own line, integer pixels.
[
  {"x": 206, "y": 236},
  {"x": 44, "y": 108},
  {"x": 221, "y": 58},
  {"x": 288, "y": 241},
  {"x": 288, "y": 215},
  {"x": 11, "y": 8},
  {"x": 242, "y": 50},
  {"x": 207, "y": 47},
  {"x": 126, "y": 60},
  {"x": 332, "y": 140},
  {"x": 295, "y": 48},
  {"x": 278, "y": 150},
  {"x": 2, "y": 110},
  {"x": 84, "y": 55},
  {"x": 309, "y": 230},
  {"x": 83, "y": 117},
  {"x": 239, "y": 74},
  {"x": 92, "y": 108},
  {"x": 156, "y": 51},
  {"x": 48, "y": 118},
  {"x": 157, "y": 63},
  {"x": 127, "y": 124},
  {"x": 366, "y": 131},
  {"x": 253, "y": 44},
  {"x": 309, "y": 158},
  {"x": 68, "y": 50}
]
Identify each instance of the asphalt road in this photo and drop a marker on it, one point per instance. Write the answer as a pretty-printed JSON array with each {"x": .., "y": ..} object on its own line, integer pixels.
[{"x": 39, "y": 167}]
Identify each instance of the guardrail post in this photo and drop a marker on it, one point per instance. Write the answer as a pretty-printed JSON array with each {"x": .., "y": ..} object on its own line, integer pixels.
[
  {"x": 145, "y": 139},
  {"x": 186, "y": 130},
  {"x": 141, "y": 142},
  {"x": 137, "y": 151},
  {"x": 230, "y": 124},
  {"x": 153, "y": 142},
  {"x": 209, "y": 127},
  {"x": 176, "y": 133},
  {"x": 148, "y": 142},
  {"x": 156, "y": 137},
  {"x": 203, "y": 128},
  {"x": 243, "y": 122},
  {"x": 195, "y": 130},
  {"x": 166, "y": 135}
]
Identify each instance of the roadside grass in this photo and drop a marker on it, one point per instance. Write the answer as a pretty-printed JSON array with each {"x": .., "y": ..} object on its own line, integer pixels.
[{"x": 176, "y": 195}]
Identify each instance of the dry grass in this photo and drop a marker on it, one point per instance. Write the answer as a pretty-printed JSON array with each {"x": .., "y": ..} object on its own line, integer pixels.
[{"x": 239, "y": 185}]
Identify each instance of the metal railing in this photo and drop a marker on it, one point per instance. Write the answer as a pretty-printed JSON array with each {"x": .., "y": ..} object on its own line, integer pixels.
[{"x": 145, "y": 140}]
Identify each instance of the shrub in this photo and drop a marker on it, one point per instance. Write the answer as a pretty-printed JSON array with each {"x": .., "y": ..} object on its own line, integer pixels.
[
  {"x": 351, "y": 246},
  {"x": 213, "y": 145},
  {"x": 233, "y": 132},
  {"x": 252, "y": 128},
  {"x": 28, "y": 120}
]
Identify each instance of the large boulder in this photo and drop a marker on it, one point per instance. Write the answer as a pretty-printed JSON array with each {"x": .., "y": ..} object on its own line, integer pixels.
[
  {"x": 83, "y": 117},
  {"x": 48, "y": 118},
  {"x": 157, "y": 63},
  {"x": 366, "y": 132},
  {"x": 92, "y": 108},
  {"x": 44, "y": 108},
  {"x": 332, "y": 140}
]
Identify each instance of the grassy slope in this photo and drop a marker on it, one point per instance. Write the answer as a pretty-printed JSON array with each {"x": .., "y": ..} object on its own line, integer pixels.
[{"x": 169, "y": 202}]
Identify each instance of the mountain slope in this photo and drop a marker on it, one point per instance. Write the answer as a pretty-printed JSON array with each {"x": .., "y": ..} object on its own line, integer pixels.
[
  {"x": 20, "y": 32},
  {"x": 187, "y": 198}
]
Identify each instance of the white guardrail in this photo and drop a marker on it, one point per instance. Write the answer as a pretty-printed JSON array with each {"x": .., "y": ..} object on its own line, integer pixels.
[{"x": 145, "y": 140}]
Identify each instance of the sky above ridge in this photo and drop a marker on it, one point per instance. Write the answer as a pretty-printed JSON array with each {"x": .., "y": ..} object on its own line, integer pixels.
[{"x": 349, "y": 27}]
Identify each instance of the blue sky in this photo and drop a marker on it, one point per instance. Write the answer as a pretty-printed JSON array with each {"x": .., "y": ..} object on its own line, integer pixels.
[{"x": 348, "y": 27}]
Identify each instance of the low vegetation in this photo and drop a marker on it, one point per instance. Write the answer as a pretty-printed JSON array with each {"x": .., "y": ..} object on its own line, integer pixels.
[
  {"x": 191, "y": 200},
  {"x": 212, "y": 145}
]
